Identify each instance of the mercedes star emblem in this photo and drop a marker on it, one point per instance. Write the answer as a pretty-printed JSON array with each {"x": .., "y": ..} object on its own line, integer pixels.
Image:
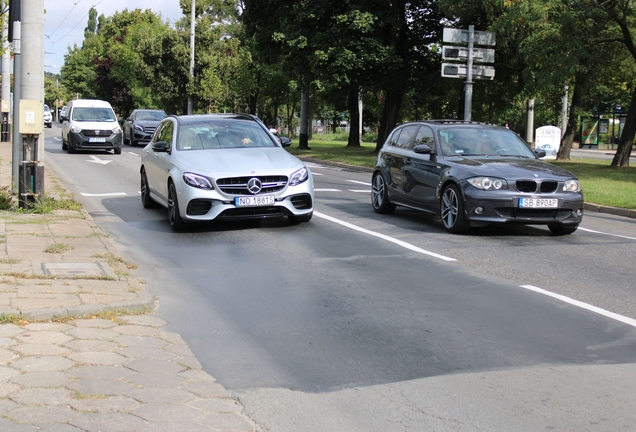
[{"x": 254, "y": 185}]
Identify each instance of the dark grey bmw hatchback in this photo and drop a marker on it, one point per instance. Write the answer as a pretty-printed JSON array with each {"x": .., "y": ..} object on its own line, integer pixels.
[{"x": 473, "y": 174}]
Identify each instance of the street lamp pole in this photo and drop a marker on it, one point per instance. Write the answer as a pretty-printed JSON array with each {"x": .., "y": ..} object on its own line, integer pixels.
[{"x": 191, "y": 55}]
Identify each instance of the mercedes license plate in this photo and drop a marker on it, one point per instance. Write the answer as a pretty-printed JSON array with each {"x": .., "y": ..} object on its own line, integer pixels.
[
  {"x": 538, "y": 203},
  {"x": 96, "y": 139},
  {"x": 254, "y": 200}
]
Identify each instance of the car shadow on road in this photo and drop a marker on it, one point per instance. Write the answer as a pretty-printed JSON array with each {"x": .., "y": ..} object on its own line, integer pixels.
[
  {"x": 130, "y": 210},
  {"x": 422, "y": 223}
]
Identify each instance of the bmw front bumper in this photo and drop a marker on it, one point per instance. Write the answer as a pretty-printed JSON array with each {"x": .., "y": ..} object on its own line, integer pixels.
[{"x": 503, "y": 207}]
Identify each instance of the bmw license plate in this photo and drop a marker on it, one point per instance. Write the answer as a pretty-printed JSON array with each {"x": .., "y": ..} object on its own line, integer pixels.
[
  {"x": 254, "y": 200},
  {"x": 96, "y": 139},
  {"x": 538, "y": 203}
]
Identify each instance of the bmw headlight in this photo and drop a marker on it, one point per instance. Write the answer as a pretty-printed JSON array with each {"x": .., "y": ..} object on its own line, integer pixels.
[
  {"x": 198, "y": 181},
  {"x": 571, "y": 186},
  {"x": 299, "y": 177},
  {"x": 487, "y": 183}
]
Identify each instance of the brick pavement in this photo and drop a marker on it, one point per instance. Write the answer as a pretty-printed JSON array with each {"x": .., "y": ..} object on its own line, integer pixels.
[{"x": 79, "y": 348}]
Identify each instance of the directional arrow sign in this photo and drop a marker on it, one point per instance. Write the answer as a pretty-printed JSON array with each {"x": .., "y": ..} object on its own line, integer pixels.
[
  {"x": 98, "y": 160},
  {"x": 480, "y": 55},
  {"x": 461, "y": 36},
  {"x": 455, "y": 70}
]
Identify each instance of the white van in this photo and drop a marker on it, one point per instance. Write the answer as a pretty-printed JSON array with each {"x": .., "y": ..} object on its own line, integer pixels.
[{"x": 90, "y": 124}]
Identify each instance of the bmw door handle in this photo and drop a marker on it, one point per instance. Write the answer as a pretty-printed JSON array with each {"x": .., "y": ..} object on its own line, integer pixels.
[{"x": 407, "y": 161}]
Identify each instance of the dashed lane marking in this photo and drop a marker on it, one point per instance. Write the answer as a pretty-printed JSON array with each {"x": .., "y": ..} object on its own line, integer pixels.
[
  {"x": 383, "y": 237},
  {"x": 582, "y": 305},
  {"x": 104, "y": 194}
]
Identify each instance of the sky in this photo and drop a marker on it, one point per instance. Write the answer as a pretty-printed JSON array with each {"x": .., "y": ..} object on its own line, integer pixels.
[{"x": 65, "y": 21}]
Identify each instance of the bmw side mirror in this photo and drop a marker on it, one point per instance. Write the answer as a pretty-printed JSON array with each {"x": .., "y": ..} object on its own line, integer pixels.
[
  {"x": 161, "y": 147},
  {"x": 422, "y": 149},
  {"x": 540, "y": 153}
]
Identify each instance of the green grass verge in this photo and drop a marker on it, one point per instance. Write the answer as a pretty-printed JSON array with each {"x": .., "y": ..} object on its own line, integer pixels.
[
  {"x": 602, "y": 184},
  {"x": 337, "y": 151}
]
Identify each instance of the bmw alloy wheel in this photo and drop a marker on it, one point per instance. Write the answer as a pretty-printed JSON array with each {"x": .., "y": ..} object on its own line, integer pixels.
[
  {"x": 452, "y": 210},
  {"x": 380, "y": 195}
]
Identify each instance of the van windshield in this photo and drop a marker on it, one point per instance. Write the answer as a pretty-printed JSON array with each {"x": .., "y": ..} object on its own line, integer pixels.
[{"x": 93, "y": 114}]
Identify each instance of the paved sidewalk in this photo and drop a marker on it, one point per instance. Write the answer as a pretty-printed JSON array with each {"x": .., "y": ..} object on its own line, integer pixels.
[{"x": 67, "y": 363}]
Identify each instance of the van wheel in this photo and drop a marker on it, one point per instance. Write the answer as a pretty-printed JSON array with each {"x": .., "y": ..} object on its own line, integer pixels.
[
  {"x": 117, "y": 150},
  {"x": 64, "y": 145},
  {"x": 71, "y": 149}
]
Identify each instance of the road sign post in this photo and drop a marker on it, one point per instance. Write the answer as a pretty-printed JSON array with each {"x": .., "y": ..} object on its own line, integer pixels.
[{"x": 470, "y": 54}]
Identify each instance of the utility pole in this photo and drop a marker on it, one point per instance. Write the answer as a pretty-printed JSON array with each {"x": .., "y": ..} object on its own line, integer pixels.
[
  {"x": 6, "y": 79},
  {"x": 17, "y": 90},
  {"x": 31, "y": 102},
  {"x": 192, "y": 27}
]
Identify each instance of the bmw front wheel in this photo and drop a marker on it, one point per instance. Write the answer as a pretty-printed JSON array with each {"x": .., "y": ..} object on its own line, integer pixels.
[{"x": 452, "y": 210}]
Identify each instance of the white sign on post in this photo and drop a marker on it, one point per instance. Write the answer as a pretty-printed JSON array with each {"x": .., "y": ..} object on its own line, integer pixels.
[
  {"x": 459, "y": 70},
  {"x": 460, "y": 36},
  {"x": 458, "y": 53},
  {"x": 548, "y": 138}
]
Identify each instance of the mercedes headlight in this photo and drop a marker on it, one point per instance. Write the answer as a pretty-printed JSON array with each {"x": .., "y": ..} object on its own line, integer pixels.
[
  {"x": 198, "y": 181},
  {"x": 299, "y": 177}
]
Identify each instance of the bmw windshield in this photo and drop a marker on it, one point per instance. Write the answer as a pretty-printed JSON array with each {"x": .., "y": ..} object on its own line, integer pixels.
[{"x": 483, "y": 142}]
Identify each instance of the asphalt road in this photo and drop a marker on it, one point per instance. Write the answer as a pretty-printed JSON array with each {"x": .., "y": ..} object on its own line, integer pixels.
[{"x": 359, "y": 321}]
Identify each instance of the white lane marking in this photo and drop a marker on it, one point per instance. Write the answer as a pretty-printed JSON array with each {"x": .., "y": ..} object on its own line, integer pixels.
[
  {"x": 359, "y": 191},
  {"x": 95, "y": 159},
  {"x": 316, "y": 174},
  {"x": 583, "y": 305},
  {"x": 613, "y": 235},
  {"x": 132, "y": 153},
  {"x": 383, "y": 237},
  {"x": 360, "y": 182},
  {"x": 326, "y": 190},
  {"x": 104, "y": 194}
]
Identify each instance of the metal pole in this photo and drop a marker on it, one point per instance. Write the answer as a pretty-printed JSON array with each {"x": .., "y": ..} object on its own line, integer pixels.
[
  {"x": 530, "y": 128},
  {"x": 303, "y": 139},
  {"x": 360, "y": 116},
  {"x": 468, "y": 88},
  {"x": 6, "y": 80},
  {"x": 564, "y": 112},
  {"x": 191, "y": 55},
  {"x": 17, "y": 94}
]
